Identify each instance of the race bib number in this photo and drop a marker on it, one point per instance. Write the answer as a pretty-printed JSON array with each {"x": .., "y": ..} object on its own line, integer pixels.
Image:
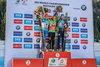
[
  {"x": 61, "y": 24},
  {"x": 52, "y": 28}
]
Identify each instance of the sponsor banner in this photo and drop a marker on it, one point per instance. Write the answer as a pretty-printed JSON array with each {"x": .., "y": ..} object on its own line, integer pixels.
[
  {"x": 57, "y": 62},
  {"x": 18, "y": 15},
  {"x": 36, "y": 28},
  {"x": 36, "y": 46},
  {"x": 75, "y": 29},
  {"x": 17, "y": 39},
  {"x": 28, "y": 21},
  {"x": 68, "y": 47},
  {"x": 36, "y": 22},
  {"x": 83, "y": 19},
  {"x": 23, "y": 19},
  {"x": 28, "y": 40},
  {"x": 75, "y": 36},
  {"x": 18, "y": 21},
  {"x": 68, "y": 40},
  {"x": 75, "y": 24},
  {"x": 84, "y": 41},
  {"x": 30, "y": 16},
  {"x": 84, "y": 35},
  {"x": 75, "y": 46},
  {"x": 17, "y": 45},
  {"x": 37, "y": 34},
  {"x": 17, "y": 33},
  {"x": 28, "y": 46},
  {"x": 28, "y": 27},
  {"x": 83, "y": 30}
]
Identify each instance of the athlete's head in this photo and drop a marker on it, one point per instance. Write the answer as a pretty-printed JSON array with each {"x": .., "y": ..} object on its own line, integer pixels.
[{"x": 62, "y": 16}]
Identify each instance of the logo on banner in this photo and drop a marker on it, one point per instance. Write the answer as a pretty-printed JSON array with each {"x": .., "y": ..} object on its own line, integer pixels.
[
  {"x": 38, "y": 40},
  {"x": 52, "y": 60},
  {"x": 75, "y": 18},
  {"x": 68, "y": 40},
  {"x": 28, "y": 22},
  {"x": 57, "y": 55},
  {"x": 30, "y": 16},
  {"x": 23, "y": 2},
  {"x": 17, "y": 39},
  {"x": 36, "y": 46},
  {"x": 75, "y": 29},
  {"x": 36, "y": 22},
  {"x": 84, "y": 41},
  {"x": 18, "y": 15},
  {"x": 28, "y": 34},
  {"x": 36, "y": 28},
  {"x": 57, "y": 62},
  {"x": 83, "y": 30},
  {"x": 37, "y": 34},
  {"x": 84, "y": 47},
  {"x": 75, "y": 24},
  {"x": 68, "y": 47},
  {"x": 28, "y": 40},
  {"x": 84, "y": 35},
  {"x": 82, "y": 19},
  {"x": 75, "y": 46},
  {"x": 84, "y": 25},
  {"x": 75, "y": 41},
  {"x": 28, "y": 46},
  {"x": 17, "y": 45},
  {"x": 28, "y": 27},
  {"x": 17, "y": 27},
  {"x": 28, "y": 62},
  {"x": 75, "y": 35},
  {"x": 17, "y": 33},
  {"x": 18, "y": 21},
  {"x": 84, "y": 62},
  {"x": 83, "y": 7}
]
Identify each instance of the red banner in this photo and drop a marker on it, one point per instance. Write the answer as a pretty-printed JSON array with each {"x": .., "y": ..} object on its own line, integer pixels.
[
  {"x": 18, "y": 21},
  {"x": 75, "y": 35}
]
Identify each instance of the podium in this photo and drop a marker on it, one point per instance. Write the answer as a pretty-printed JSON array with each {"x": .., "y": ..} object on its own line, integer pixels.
[
  {"x": 84, "y": 63},
  {"x": 27, "y": 62},
  {"x": 57, "y": 59},
  {"x": 54, "y": 59}
]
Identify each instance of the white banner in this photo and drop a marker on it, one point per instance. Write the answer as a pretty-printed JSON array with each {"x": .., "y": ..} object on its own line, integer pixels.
[{"x": 22, "y": 33}]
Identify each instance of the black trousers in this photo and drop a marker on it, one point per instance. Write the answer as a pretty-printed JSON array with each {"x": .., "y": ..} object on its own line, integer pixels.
[
  {"x": 61, "y": 40},
  {"x": 51, "y": 39}
]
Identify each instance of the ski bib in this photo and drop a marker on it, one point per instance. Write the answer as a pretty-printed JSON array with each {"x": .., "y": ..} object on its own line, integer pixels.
[{"x": 53, "y": 28}]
